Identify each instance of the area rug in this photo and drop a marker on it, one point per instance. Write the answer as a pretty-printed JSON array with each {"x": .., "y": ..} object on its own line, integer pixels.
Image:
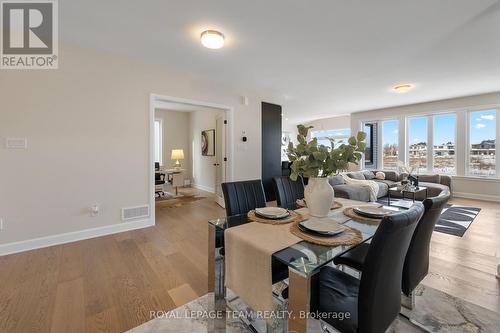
[
  {"x": 165, "y": 202},
  {"x": 436, "y": 311},
  {"x": 454, "y": 220}
]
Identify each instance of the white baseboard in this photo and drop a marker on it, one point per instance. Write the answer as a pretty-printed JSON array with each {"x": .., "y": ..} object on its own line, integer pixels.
[
  {"x": 203, "y": 187},
  {"x": 476, "y": 196},
  {"x": 36, "y": 243}
]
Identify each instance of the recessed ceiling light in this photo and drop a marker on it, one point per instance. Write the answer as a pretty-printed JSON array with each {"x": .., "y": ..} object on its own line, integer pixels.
[
  {"x": 212, "y": 39},
  {"x": 402, "y": 88}
]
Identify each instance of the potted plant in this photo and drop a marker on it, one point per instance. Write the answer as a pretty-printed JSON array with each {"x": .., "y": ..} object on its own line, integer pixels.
[{"x": 317, "y": 162}]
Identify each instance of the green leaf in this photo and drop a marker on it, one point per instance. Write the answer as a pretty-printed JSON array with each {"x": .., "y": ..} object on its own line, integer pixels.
[
  {"x": 361, "y": 136},
  {"x": 310, "y": 159}
]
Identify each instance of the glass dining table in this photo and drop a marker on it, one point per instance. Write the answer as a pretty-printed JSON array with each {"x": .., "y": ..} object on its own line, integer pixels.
[{"x": 303, "y": 259}]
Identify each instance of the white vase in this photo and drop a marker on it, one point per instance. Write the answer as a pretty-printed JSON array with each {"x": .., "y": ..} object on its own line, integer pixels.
[{"x": 319, "y": 195}]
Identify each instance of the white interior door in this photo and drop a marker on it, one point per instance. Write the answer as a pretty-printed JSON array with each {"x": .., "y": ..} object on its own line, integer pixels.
[{"x": 220, "y": 157}]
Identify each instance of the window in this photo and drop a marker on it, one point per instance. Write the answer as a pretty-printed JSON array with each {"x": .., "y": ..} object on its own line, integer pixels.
[
  {"x": 482, "y": 140},
  {"x": 369, "y": 144},
  {"x": 417, "y": 141},
  {"x": 158, "y": 142},
  {"x": 340, "y": 135},
  {"x": 390, "y": 144},
  {"x": 443, "y": 154}
]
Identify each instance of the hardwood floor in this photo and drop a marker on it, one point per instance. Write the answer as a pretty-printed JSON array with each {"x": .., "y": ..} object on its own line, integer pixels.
[{"x": 111, "y": 283}]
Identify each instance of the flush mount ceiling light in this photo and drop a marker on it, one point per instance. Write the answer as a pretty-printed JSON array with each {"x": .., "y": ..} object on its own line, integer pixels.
[
  {"x": 212, "y": 39},
  {"x": 402, "y": 88}
]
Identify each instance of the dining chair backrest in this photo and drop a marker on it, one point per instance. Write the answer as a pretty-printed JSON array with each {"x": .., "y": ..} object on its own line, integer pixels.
[
  {"x": 380, "y": 287},
  {"x": 241, "y": 197},
  {"x": 288, "y": 191},
  {"x": 416, "y": 264}
]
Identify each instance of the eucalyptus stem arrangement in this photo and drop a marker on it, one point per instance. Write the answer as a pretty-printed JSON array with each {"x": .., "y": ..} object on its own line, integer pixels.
[{"x": 313, "y": 160}]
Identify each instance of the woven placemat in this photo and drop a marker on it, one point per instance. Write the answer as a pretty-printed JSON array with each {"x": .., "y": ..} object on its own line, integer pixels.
[
  {"x": 302, "y": 203},
  {"x": 350, "y": 236},
  {"x": 352, "y": 214},
  {"x": 293, "y": 217}
]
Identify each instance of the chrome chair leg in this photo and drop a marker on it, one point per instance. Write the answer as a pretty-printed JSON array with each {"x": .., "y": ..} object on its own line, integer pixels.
[
  {"x": 407, "y": 306},
  {"x": 325, "y": 328},
  {"x": 408, "y": 302}
]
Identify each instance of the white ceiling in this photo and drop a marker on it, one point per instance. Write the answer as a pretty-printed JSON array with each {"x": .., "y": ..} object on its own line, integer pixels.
[{"x": 318, "y": 58}]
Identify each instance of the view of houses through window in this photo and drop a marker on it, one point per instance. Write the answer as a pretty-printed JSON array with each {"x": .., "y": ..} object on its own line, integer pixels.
[
  {"x": 443, "y": 154},
  {"x": 439, "y": 132},
  {"x": 417, "y": 139},
  {"x": 482, "y": 140},
  {"x": 390, "y": 144},
  {"x": 340, "y": 135}
]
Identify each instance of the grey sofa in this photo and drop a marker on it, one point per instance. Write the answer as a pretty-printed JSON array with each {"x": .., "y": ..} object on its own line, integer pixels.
[{"x": 435, "y": 184}]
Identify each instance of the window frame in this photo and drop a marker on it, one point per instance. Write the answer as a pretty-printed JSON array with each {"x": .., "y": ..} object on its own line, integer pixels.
[{"x": 370, "y": 137}]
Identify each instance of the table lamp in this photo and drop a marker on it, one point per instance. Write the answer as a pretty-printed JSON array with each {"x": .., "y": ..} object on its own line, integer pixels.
[{"x": 177, "y": 154}]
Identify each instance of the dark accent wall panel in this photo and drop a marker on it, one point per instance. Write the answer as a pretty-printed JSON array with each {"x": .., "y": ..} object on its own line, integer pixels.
[{"x": 271, "y": 147}]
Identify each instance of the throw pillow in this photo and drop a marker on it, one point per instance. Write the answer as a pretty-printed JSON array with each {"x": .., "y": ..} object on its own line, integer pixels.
[
  {"x": 356, "y": 175},
  {"x": 380, "y": 175},
  {"x": 368, "y": 174},
  {"x": 336, "y": 180}
]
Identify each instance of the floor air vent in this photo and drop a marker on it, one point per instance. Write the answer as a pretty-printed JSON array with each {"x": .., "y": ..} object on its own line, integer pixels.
[{"x": 132, "y": 213}]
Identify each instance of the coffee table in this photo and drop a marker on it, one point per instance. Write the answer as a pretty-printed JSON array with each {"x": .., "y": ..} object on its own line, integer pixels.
[{"x": 403, "y": 203}]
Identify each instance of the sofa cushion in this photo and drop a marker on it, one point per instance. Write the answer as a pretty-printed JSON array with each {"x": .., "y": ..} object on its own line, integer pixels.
[
  {"x": 428, "y": 178},
  {"x": 336, "y": 180},
  {"x": 392, "y": 175},
  {"x": 368, "y": 174},
  {"x": 389, "y": 183},
  {"x": 383, "y": 188},
  {"x": 351, "y": 192},
  {"x": 356, "y": 175}
]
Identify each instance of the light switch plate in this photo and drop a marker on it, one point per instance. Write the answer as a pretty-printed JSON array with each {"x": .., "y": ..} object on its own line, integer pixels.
[{"x": 16, "y": 143}]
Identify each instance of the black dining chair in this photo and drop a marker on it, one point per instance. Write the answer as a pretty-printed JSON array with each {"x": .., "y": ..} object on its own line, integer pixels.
[
  {"x": 240, "y": 198},
  {"x": 288, "y": 191},
  {"x": 416, "y": 265},
  {"x": 243, "y": 196},
  {"x": 372, "y": 302}
]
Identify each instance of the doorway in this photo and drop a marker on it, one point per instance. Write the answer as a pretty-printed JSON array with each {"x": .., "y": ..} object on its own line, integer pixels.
[{"x": 204, "y": 170}]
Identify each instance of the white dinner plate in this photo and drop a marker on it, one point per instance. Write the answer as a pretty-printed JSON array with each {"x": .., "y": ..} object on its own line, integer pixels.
[
  {"x": 373, "y": 211},
  {"x": 323, "y": 226},
  {"x": 272, "y": 212}
]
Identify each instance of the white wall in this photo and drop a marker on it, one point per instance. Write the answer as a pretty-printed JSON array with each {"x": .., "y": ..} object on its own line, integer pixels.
[
  {"x": 176, "y": 135},
  {"x": 480, "y": 188},
  {"x": 88, "y": 140},
  {"x": 339, "y": 122}
]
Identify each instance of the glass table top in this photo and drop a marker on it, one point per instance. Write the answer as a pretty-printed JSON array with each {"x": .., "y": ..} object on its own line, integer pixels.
[
  {"x": 304, "y": 257},
  {"x": 408, "y": 190}
]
